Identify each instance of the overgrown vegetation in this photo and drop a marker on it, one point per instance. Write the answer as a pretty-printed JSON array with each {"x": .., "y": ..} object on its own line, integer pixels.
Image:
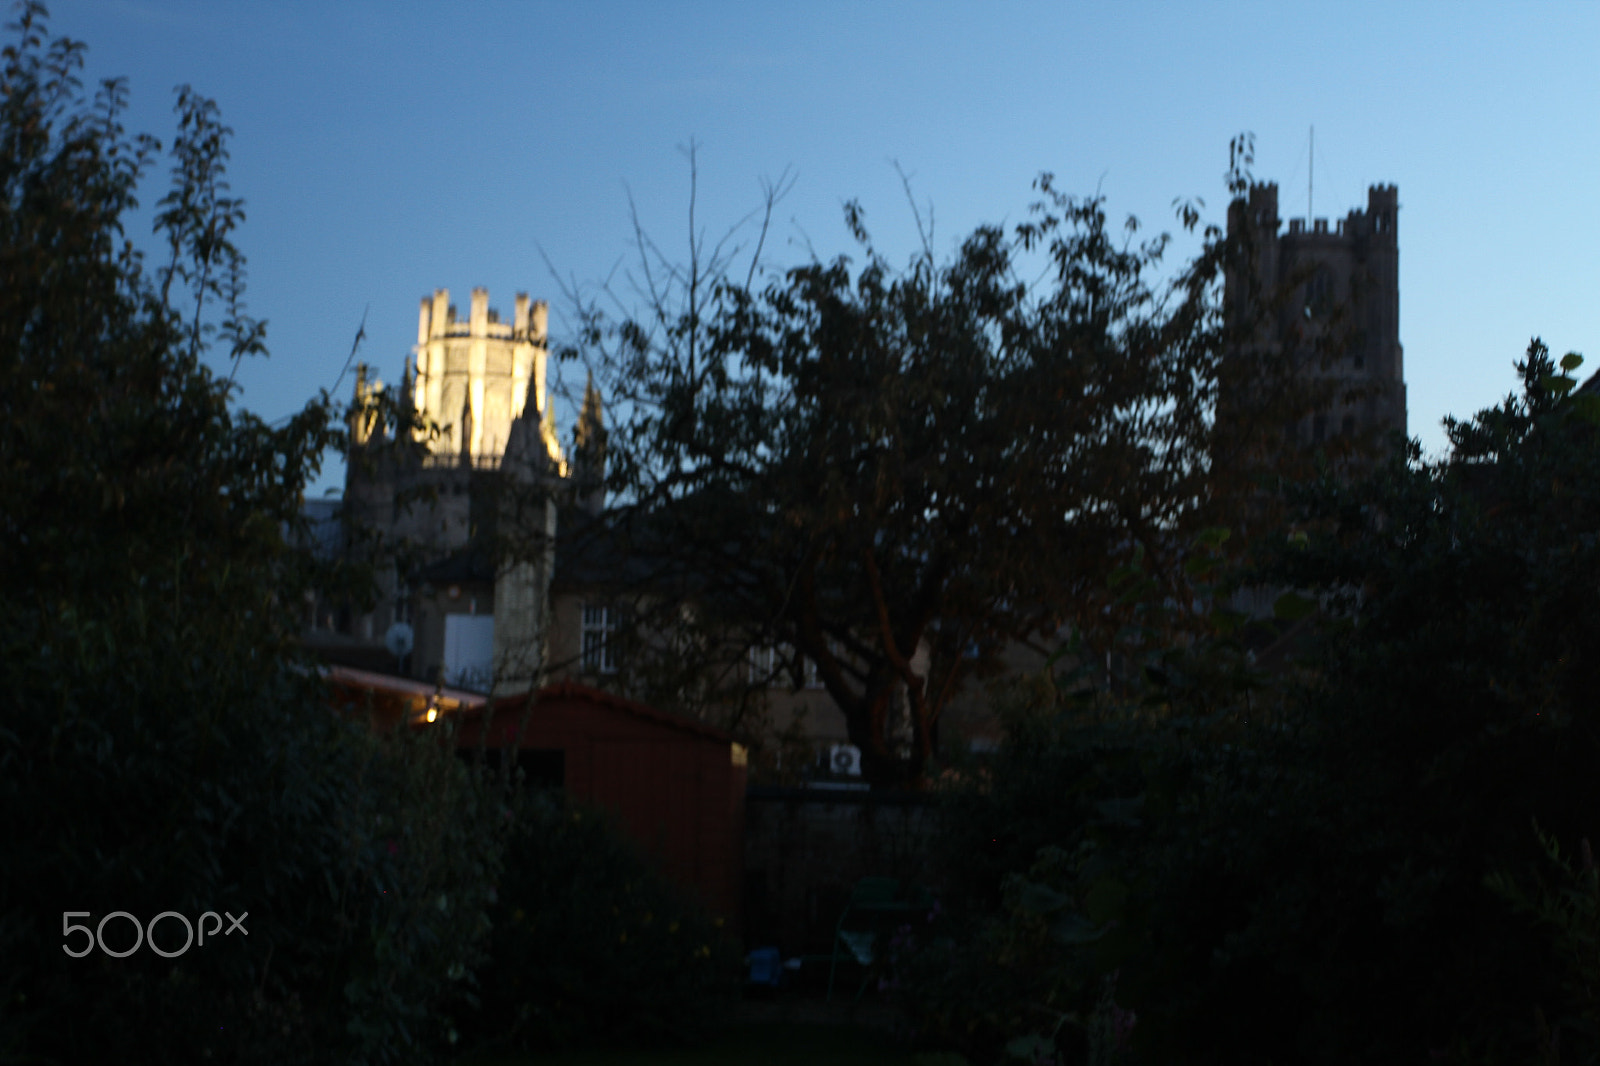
[
  {"x": 592, "y": 946},
  {"x": 1313, "y": 865},
  {"x": 163, "y": 746},
  {"x": 895, "y": 475},
  {"x": 1359, "y": 854}
]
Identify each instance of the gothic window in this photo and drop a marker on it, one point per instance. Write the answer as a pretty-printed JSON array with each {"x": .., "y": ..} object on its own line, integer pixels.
[
  {"x": 1319, "y": 293},
  {"x": 599, "y": 625}
]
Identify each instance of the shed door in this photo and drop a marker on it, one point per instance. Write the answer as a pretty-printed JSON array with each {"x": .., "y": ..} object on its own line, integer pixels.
[
  {"x": 651, "y": 786},
  {"x": 541, "y": 767}
]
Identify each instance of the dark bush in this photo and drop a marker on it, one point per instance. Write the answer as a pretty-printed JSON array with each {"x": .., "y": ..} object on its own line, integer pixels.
[
  {"x": 592, "y": 946},
  {"x": 163, "y": 744},
  {"x": 1314, "y": 868},
  {"x": 364, "y": 864}
]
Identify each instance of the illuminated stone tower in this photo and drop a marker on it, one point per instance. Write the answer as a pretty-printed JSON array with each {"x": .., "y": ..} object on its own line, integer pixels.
[
  {"x": 478, "y": 376},
  {"x": 462, "y": 523}
]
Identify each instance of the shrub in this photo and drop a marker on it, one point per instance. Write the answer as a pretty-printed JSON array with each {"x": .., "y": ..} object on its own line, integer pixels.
[
  {"x": 163, "y": 745},
  {"x": 592, "y": 946},
  {"x": 1306, "y": 877},
  {"x": 364, "y": 864},
  {"x": 1076, "y": 889},
  {"x": 1568, "y": 913}
]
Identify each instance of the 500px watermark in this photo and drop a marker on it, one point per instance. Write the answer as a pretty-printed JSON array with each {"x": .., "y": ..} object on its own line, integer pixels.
[{"x": 143, "y": 933}]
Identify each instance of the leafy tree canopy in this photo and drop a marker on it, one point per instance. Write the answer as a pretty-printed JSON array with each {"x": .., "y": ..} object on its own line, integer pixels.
[
  {"x": 895, "y": 473},
  {"x": 163, "y": 746},
  {"x": 1337, "y": 863}
]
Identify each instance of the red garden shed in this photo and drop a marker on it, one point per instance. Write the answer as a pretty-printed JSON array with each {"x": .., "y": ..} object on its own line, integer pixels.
[{"x": 676, "y": 786}]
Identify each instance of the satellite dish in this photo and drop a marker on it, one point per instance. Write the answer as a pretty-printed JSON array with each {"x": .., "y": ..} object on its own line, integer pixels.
[
  {"x": 845, "y": 760},
  {"x": 398, "y": 640}
]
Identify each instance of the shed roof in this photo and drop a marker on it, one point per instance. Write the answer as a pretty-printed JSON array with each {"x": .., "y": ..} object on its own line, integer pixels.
[
  {"x": 587, "y": 693},
  {"x": 417, "y": 694}
]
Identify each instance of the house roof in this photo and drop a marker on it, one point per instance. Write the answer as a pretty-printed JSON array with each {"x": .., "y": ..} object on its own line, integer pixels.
[
  {"x": 635, "y": 551},
  {"x": 324, "y": 528},
  {"x": 450, "y": 700},
  {"x": 604, "y": 550},
  {"x": 464, "y": 566}
]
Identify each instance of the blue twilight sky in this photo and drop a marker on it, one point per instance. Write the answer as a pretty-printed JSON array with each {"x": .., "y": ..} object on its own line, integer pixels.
[{"x": 388, "y": 149}]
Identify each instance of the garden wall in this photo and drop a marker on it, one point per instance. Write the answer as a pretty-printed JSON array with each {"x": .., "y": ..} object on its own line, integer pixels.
[{"x": 805, "y": 848}]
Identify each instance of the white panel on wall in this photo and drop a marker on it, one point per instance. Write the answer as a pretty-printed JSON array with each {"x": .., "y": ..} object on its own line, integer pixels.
[{"x": 469, "y": 651}]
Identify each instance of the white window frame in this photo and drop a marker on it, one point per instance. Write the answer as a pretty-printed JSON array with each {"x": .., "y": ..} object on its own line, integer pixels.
[
  {"x": 762, "y": 659},
  {"x": 597, "y": 651},
  {"x": 469, "y": 651}
]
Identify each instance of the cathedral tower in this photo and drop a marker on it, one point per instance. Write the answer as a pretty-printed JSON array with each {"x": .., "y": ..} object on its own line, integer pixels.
[
  {"x": 1342, "y": 284},
  {"x": 589, "y": 452},
  {"x": 462, "y": 525},
  {"x": 476, "y": 377}
]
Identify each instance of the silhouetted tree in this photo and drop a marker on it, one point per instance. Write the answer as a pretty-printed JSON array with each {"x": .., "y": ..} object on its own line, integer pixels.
[
  {"x": 163, "y": 744},
  {"x": 893, "y": 474},
  {"x": 1312, "y": 867}
]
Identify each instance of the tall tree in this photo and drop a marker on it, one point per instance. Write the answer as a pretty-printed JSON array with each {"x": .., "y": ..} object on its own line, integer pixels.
[
  {"x": 164, "y": 749},
  {"x": 894, "y": 473}
]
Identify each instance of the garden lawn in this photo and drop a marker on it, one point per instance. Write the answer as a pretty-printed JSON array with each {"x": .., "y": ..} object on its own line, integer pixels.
[{"x": 766, "y": 1044}]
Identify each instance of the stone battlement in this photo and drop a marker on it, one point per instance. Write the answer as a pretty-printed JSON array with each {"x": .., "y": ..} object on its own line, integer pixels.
[
  {"x": 476, "y": 377},
  {"x": 438, "y": 319},
  {"x": 1383, "y": 201}
]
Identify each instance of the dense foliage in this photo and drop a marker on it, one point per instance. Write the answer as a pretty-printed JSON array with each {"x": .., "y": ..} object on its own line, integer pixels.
[
  {"x": 1338, "y": 861},
  {"x": 592, "y": 946},
  {"x": 162, "y": 746},
  {"x": 895, "y": 475}
]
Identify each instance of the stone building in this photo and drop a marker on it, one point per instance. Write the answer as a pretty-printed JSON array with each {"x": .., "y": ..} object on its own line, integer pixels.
[
  {"x": 460, "y": 510},
  {"x": 1337, "y": 312}
]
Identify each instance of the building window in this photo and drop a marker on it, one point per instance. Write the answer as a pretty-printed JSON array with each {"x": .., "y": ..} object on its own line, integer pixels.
[
  {"x": 599, "y": 625},
  {"x": 772, "y": 667},
  {"x": 1319, "y": 294},
  {"x": 762, "y": 659},
  {"x": 813, "y": 679}
]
